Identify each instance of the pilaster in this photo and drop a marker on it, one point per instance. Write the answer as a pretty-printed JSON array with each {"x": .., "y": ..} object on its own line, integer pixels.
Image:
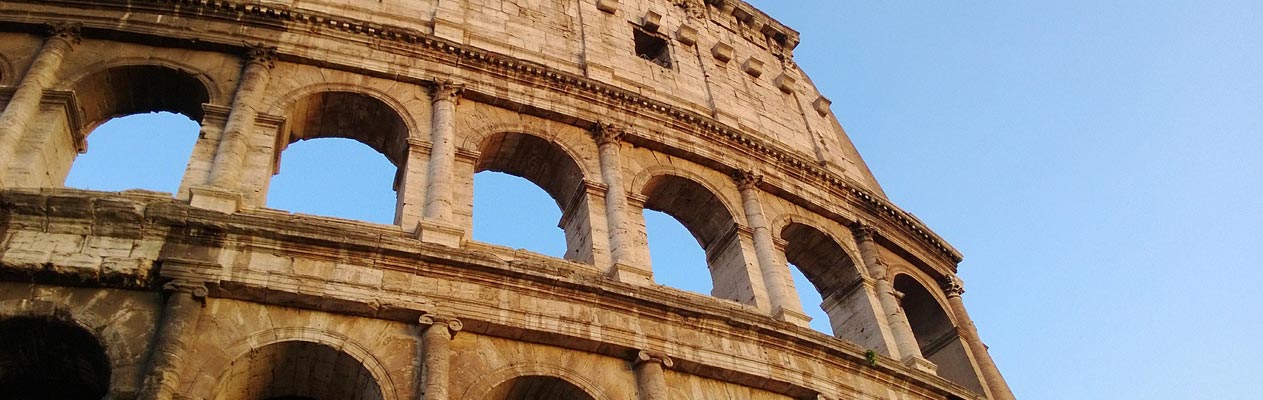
[
  {"x": 782, "y": 297},
  {"x": 23, "y": 106},
  {"x": 180, "y": 315},
  {"x": 994, "y": 383},
  {"x": 436, "y": 336},
  {"x": 224, "y": 186},
  {"x": 651, "y": 380}
]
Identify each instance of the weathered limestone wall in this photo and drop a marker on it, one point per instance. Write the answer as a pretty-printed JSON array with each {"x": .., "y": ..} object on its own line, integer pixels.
[
  {"x": 729, "y": 138},
  {"x": 274, "y": 278},
  {"x": 123, "y": 320}
]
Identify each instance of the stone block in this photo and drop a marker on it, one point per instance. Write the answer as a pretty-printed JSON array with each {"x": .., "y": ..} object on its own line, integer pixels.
[
  {"x": 686, "y": 35},
  {"x": 753, "y": 66},
  {"x": 722, "y": 52}
]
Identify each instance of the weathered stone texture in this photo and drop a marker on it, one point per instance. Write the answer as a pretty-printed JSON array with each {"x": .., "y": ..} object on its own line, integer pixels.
[{"x": 693, "y": 108}]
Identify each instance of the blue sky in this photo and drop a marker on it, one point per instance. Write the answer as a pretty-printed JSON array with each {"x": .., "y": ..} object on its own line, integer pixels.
[{"x": 1096, "y": 162}]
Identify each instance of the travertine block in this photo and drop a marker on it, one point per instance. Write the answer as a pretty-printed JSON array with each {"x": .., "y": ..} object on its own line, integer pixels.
[{"x": 722, "y": 52}]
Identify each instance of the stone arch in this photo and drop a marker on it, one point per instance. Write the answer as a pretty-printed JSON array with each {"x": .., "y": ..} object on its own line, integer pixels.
[
  {"x": 216, "y": 93},
  {"x": 502, "y": 384},
  {"x": 129, "y": 86},
  {"x": 712, "y": 222},
  {"x": 51, "y": 358},
  {"x": 571, "y": 144},
  {"x": 290, "y": 98},
  {"x": 936, "y": 332},
  {"x": 552, "y": 167},
  {"x": 111, "y": 343},
  {"x": 846, "y": 296},
  {"x": 345, "y": 111},
  {"x": 327, "y": 343}
]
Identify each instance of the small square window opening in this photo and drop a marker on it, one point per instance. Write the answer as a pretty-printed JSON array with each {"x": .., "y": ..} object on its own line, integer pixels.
[{"x": 652, "y": 48}]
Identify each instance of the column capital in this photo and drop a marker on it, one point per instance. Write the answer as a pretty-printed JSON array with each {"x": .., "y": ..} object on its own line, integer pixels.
[
  {"x": 953, "y": 286},
  {"x": 197, "y": 289},
  {"x": 68, "y": 31},
  {"x": 863, "y": 230},
  {"x": 747, "y": 179},
  {"x": 261, "y": 54},
  {"x": 605, "y": 133},
  {"x": 647, "y": 356},
  {"x": 445, "y": 90},
  {"x": 430, "y": 320}
]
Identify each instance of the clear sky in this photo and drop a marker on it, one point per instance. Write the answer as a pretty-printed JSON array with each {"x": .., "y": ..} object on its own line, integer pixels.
[{"x": 1095, "y": 161}]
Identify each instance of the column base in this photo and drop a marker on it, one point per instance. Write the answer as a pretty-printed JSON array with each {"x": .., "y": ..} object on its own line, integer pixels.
[
  {"x": 215, "y": 199},
  {"x": 920, "y": 364},
  {"x": 631, "y": 275},
  {"x": 439, "y": 233},
  {"x": 791, "y": 316}
]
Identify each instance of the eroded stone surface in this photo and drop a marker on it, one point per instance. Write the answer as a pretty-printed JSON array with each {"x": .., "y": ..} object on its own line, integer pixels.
[{"x": 206, "y": 294}]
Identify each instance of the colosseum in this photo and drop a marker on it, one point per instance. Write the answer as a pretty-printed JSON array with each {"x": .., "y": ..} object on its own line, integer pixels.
[{"x": 693, "y": 108}]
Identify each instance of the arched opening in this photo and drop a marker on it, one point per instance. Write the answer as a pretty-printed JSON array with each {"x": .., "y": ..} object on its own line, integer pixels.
[
  {"x": 936, "y": 335},
  {"x": 512, "y": 211},
  {"x": 807, "y": 295},
  {"x": 143, "y": 119},
  {"x": 538, "y": 388},
  {"x": 295, "y": 370},
  {"x": 359, "y": 188},
  {"x": 157, "y": 143},
  {"x": 711, "y": 225},
  {"x": 837, "y": 281},
  {"x": 42, "y": 358},
  {"x": 548, "y": 166},
  {"x": 675, "y": 254},
  {"x": 332, "y": 176}
]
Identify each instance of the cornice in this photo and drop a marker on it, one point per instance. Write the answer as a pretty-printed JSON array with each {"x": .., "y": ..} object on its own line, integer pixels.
[{"x": 316, "y": 23}]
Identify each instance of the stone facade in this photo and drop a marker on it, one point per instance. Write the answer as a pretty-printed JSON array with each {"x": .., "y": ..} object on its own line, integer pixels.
[{"x": 690, "y": 107}]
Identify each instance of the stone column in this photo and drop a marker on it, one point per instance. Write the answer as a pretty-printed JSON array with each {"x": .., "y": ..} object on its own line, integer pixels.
[
  {"x": 224, "y": 193},
  {"x": 954, "y": 287},
  {"x": 24, "y": 104},
  {"x": 782, "y": 297},
  {"x": 651, "y": 379},
  {"x": 180, "y": 315},
  {"x": 439, "y": 190},
  {"x": 436, "y": 338},
  {"x": 622, "y": 256},
  {"x": 905, "y": 340}
]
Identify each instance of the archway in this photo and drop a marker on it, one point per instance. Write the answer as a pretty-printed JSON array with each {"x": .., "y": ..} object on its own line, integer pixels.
[
  {"x": 711, "y": 223},
  {"x": 936, "y": 334},
  {"x": 548, "y": 166},
  {"x": 143, "y": 121},
  {"x": 42, "y": 358},
  {"x": 834, "y": 275},
  {"x": 538, "y": 388},
  {"x": 297, "y": 370},
  {"x": 346, "y": 115}
]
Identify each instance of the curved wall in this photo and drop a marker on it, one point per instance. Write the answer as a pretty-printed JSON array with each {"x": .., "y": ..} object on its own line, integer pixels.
[{"x": 695, "y": 109}]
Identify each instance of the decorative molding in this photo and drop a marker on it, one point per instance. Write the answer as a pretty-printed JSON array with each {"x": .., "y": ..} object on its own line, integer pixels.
[{"x": 68, "y": 31}]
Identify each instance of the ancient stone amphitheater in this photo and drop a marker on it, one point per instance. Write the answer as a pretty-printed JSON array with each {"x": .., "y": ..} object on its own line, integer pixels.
[{"x": 689, "y": 107}]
